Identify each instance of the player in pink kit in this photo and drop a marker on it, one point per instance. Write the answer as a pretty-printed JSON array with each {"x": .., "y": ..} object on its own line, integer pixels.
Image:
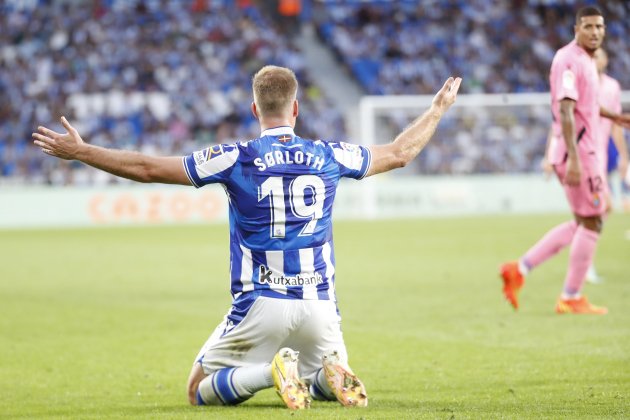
[
  {"x": 609, "y": 98},
  {"x": 573, "y": 153}
]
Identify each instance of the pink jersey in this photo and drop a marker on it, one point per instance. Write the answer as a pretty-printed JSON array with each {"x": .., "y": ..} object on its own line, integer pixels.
[
  {"x": 574, "y": 76},
  {"x": 609, "y": 98}
]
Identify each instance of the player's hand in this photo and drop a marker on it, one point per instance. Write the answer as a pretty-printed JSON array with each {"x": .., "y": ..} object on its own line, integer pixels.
[
  {"x": 546, "y": 167},
  {"x": 623, "y": 166},
  {"x": 609, "y": 204},
  {"x": 574, "y": 172},
  {"x": 623, "y": 120},
  {"x": 447, "y": 95},
  {"x": 64, "y": 146}
]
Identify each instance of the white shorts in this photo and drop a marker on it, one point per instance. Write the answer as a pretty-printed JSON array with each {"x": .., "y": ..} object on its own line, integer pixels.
[{"x": 308, "y": 326}]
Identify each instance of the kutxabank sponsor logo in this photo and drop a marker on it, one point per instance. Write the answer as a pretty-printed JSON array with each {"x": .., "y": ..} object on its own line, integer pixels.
[{"x": 267, "y": 276}]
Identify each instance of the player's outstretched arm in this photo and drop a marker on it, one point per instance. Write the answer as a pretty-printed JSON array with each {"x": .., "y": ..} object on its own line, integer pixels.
[
  {"x": 125, "y": 164},
  {"x": 412, "y": 140}
]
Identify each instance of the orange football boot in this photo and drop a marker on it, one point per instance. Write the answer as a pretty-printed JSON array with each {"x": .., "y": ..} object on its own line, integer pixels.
[
  {"x": 578, "y": 306},
  {"x": 512, "y": 282}
]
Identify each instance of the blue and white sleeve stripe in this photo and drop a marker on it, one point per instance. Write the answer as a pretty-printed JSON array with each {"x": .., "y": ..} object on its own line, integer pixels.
[
  {"x": 189, "y": 174},
  {"x": 367, "y": 162}
]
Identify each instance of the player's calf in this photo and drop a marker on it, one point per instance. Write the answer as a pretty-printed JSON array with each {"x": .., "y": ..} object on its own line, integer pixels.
[
  {"x": 229, "y": 386},
  {"x": 224, "y": 387}
]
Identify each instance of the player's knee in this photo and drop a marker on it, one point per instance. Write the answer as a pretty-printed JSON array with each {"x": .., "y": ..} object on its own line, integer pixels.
[
  {"x": 594, "y": 223},
  {"x": 195, "y": 378},
  {"x": 192, "y": 395},
  {"x": 192, "y": 392}
]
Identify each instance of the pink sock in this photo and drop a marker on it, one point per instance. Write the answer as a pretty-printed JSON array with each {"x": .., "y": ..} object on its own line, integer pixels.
[
  {"x": 550, "y": 244},
  {"x": 580, "y": 258}
]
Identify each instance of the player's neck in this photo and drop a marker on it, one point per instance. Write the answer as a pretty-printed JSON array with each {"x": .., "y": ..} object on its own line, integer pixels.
[
  {"x": 267, "y": 123},
  {"x": 588, "y": 51}
]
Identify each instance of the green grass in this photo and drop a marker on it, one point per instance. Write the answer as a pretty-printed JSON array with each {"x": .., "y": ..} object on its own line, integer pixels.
[{"x": 105, "y": 323}]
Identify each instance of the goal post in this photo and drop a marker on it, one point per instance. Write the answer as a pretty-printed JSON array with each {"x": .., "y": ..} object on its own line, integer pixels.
[
  {"x": 487, "y": 148},
  {"x": 371, "y": 106}
]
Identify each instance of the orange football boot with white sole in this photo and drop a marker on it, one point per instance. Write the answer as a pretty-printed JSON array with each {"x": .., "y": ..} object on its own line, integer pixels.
[
  {"x": 513, "y": 281},
  {"x": 579, "y": 306}
]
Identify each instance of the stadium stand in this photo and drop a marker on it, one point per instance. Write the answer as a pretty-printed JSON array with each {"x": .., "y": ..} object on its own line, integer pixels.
[
  {"x": 167, "y": 77},
  {"x": 405, "y": 47}
]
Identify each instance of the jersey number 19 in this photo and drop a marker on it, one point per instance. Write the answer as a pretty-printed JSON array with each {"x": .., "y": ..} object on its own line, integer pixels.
[{"x": 273, "y": 188}]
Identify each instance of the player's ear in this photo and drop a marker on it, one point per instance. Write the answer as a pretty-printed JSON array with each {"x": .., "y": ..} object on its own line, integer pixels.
[
  {"x": 296, "y": 108},
  {"x": 254, "y": 110}
]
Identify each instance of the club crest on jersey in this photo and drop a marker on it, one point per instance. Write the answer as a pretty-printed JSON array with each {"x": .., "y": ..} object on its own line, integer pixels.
[
  {"x": 596, "y": 200},
  {"x": 568, "y": 80},
  {"x": 215, "y": 151}
]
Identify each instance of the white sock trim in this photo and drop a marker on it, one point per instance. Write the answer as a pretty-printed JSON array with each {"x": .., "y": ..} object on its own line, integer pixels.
[
  {"x": 322, "y": 385},
  {"x": 251, "y": 379},
  {"x": 522, "y": 268}
]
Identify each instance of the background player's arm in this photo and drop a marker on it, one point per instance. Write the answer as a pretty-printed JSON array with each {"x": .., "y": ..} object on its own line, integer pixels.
[
  {"x": 125, "y": 164},
  {"x": 567, "y": 118},
  {"x": 547, "y": 167},
  {"x": 620, "y": 119},
  {"x": 622, "y": 148},
  {"x": 412, "y": 140}
]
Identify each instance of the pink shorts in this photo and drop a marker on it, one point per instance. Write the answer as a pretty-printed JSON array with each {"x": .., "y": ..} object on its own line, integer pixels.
[{"x": 589, "y": 198}]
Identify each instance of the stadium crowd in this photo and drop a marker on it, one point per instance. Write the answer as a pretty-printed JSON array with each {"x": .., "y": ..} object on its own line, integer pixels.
[
  {"x": 160, "y": 76},
  {"x": 478, "y": 140},
  {"x": 167, "y": 77},
  {"x": 405, "y": 47}
]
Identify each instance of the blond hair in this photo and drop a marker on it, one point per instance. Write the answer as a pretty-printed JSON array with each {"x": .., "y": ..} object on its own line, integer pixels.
[{"x": 275, "y": 89}]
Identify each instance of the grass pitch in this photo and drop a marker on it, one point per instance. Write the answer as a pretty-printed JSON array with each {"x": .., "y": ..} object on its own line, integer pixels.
[{"x": 105, "y": 323}]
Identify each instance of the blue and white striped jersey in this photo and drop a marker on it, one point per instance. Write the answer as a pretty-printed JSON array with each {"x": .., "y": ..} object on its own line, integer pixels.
[{"x": 281, "y": 190}]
